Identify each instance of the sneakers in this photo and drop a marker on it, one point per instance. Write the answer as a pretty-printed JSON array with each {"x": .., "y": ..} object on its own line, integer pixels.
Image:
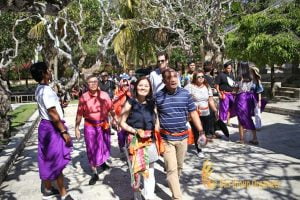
[
  {"x": 49, "y": 194},
  {"x": 94, "y": 179},
  {"x": 200, "y": 154},
  {"x": 68, "y": 197},
  {"x": 104, "y": 166}
]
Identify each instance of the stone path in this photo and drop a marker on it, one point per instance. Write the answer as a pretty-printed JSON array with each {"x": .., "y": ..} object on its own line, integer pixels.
[{"x": 276, "y": 159}]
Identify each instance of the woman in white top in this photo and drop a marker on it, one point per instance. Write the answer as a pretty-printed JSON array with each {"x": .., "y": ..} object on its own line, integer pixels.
[{"x": 203, "y": 97}]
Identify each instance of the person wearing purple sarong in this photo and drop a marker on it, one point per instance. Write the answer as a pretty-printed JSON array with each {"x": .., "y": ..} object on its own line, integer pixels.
[
  {"x": 245, "y": 102},
  {"x": 54, "y": 142},
  {"x": 224, "y": 84},
  {"x": 94, "y": 106}
]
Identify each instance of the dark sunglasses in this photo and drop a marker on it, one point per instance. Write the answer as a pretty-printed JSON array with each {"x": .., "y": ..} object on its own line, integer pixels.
[
  {"x": 161, "y": 61},
  {"x": 200, "y": 76}
]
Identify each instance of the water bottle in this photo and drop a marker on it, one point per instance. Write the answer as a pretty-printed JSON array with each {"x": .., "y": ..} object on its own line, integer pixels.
[{"x": 202, "y": 141}]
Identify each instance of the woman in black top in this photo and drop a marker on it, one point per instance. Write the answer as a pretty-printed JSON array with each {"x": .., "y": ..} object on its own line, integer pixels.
[{"x": 138, "y": 118}]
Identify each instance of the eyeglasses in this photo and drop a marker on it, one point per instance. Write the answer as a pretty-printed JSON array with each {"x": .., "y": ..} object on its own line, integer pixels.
[
  {"x": 161, "y": 61},
  {"x": 200, "y": 76}
]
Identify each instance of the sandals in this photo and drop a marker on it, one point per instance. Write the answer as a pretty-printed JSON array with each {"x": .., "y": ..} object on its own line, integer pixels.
[
  {"x": 241, "y": 141},
  {"x": 253, "y": 142}
]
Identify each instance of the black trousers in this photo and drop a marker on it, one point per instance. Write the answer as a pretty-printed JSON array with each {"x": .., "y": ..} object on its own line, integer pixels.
[{"x": 205, "y": 121}]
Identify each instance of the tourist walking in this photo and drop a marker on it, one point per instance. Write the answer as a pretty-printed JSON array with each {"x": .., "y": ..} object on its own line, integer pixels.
[
  {"x": 95, "y": 106},
  {"x": 188, "y": 74},
  {"x": 245, "y": 102},
  {"x": 122, "y": 93},
  {"x": 156, "y": 75},
  {"x": 107, "y": 85},
  {"x": 203, "y": 97},
  {"x": 54, "y": 141},
  {"x": 174, "y": 106},
  {"x": 138, "y": 119},
  {"x": 225, "y": 84}
]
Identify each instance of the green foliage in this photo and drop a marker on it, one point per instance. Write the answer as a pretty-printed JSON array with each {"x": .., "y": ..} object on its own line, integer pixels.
[
  {"x": 267, "y": 38},
  {"x": 26, "y": 45},
  {"x": 21, "y": 114}
]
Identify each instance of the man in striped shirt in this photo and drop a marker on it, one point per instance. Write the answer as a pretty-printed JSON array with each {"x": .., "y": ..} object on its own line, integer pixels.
[{"x": 174, "y": 105}]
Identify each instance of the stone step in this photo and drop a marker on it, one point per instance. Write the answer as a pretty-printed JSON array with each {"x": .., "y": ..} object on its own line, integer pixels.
[
  {"x": 285, "y": 93},
  {"x": 284, "y": 99},
  {"x": 292, "y": 85},
  {"x": 290, "y": 89}
]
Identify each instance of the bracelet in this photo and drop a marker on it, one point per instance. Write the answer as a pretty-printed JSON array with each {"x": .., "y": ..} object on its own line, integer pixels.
[{"x": 64, "y": 132}]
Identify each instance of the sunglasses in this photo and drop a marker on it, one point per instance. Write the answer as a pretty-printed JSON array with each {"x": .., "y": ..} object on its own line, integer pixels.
[
  {"x": 161, "y": 61},
  {"x": 200, "y": 76}
]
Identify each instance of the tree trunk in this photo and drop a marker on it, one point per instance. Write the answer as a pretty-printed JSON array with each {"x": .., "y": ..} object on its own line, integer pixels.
[
  {"x": 4, "y": 108},
  {"x": 272, "y": 91}
]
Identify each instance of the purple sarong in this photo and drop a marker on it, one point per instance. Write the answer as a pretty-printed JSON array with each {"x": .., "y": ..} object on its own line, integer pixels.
[
  {"x": 122, "y": 136},
  {"x": 225, "y": 106},
  {"x": 97, "y": 143},
  {"x": 53, "y": 153},
  {"x": 244, "y": 107}
]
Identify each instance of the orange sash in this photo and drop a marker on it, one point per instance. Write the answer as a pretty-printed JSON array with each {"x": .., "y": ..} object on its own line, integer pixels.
[{"x": 104, "y": 124}]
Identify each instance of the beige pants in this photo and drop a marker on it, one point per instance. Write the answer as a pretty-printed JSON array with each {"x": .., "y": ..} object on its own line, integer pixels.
[{"x": 174, "y": 156}]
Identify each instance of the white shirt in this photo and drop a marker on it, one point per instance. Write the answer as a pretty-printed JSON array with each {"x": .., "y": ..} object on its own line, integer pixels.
[
  {"x": 200, "y": 96},
  {"x": 46, "y": 98},
  {"x": 156, "y": 81}
]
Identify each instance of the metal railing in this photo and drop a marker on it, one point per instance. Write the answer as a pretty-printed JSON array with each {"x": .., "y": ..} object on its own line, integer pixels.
[{"x": 22, "y": 98}]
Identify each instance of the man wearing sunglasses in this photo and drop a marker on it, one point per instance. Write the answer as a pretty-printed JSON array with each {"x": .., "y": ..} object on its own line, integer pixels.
[{"x": 156, "y": 75}]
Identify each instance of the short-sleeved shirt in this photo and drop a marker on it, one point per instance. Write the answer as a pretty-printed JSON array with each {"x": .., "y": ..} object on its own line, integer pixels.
[
  {"x": 46, "y": 98},
  {"x": 94, "y": 107},
  {"x": 141, "y": 116},
  {"x": 225, "y": 82},
  {"x": 173, "y": 110},
  {"x": 187, "y": 78},
  {"x": 200, "y": 96},
  {"x": 210, "y": 80}
]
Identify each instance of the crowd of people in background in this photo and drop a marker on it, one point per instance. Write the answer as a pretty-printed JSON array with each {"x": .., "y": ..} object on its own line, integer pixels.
[{"x": 153, "y": 115}]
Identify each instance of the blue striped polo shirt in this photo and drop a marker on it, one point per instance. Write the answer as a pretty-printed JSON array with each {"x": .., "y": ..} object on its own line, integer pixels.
[{"x": 173, "y": 110}]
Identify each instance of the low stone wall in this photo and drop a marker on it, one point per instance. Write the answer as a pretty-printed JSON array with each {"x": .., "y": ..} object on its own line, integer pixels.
[{"x": 16, "y": 145}]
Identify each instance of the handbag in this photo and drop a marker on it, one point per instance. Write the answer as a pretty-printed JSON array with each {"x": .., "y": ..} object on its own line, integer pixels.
[
  {"x": 257, "y": 116},
  {"x": 152, "y": 153}
]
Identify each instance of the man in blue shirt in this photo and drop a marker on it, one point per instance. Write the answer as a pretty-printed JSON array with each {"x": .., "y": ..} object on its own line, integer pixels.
[{"x": 174, "y": 106}]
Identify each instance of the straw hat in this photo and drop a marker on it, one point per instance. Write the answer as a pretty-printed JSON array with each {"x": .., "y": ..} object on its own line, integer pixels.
[{"x": 256, "y": 71}]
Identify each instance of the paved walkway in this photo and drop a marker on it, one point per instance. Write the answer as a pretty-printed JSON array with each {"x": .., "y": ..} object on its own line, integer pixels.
[{"x": 276, "y": 159}]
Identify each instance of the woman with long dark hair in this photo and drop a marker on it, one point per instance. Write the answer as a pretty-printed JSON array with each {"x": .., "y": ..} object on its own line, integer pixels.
[
  {"x": 203, "y": 97},
  {"x": 245, "y": 102},
  {"x": 138, "y": 118}
]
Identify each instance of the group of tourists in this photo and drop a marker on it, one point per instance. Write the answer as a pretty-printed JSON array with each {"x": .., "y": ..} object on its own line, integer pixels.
[{"x": 153, "y": 115}]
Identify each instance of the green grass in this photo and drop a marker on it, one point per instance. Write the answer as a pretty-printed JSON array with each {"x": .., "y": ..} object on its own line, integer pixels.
[{"x": 20, "y": 115}]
